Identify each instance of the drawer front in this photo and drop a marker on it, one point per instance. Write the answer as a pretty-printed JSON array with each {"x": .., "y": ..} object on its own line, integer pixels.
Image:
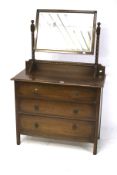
[
  {"x": 56, "y": 127},
  {"x": 57, "y": 108},
  {"x": 55, "y": 91}
]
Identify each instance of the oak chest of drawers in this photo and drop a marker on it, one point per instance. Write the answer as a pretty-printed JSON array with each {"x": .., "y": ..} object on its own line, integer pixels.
[
  {"x": 61, "y": 99},
  {"x": 59, "y": 105}
]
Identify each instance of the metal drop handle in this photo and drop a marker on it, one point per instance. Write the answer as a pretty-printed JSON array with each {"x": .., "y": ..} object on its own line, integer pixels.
[
  {"x": 36, "y": 107},
  {"x": 36, "y": 125},
  {"x": 36, "y": 91},
  {"x": 74, "y": 126},
  {"x": 76, "y": 111}
]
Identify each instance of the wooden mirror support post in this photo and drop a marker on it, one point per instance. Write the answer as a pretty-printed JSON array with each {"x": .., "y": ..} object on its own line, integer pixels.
[
  {"x": 31, "y": 64},
  {"x": 32, "y": 28},
  {"x": 99, "y": 69},
  {"x": 97, "y": 42}
]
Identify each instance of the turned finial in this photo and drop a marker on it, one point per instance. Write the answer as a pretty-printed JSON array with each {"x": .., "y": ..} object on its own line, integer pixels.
[
  {"x": 98, "y": 28},
  {"x": 32, "y": 27}
]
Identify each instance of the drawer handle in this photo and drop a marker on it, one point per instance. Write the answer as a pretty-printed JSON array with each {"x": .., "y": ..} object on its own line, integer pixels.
[
  {"x": 74, "y": 126},
  {"x": 76, "y": 111},
  {"x": 36, "y": 125},
  {"x": 36, "y": 91},
  {"x": 36, "y": 107}
]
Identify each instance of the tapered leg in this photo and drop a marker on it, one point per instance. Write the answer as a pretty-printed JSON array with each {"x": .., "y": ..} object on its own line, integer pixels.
[
  {"x": 99, "y": 135},
  {"x": 95, "y": 147},
  {"x": 18, "y": 138}
]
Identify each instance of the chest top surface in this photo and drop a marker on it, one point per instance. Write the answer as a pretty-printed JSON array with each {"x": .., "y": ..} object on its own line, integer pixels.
[{"x": 74, "y": 74}]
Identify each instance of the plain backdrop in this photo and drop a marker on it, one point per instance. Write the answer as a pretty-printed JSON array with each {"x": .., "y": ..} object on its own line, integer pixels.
[{"x": 39, "y": 156}]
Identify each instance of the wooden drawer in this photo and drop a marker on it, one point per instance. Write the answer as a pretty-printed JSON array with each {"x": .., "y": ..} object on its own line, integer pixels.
[
  {"x": 55, "y": 91},
  {"x": 57, "y": 108},
  {"x": 56, "y": 127}
]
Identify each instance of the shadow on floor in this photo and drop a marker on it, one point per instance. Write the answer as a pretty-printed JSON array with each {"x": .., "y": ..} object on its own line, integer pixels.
[{"x": 55, "y": 142}]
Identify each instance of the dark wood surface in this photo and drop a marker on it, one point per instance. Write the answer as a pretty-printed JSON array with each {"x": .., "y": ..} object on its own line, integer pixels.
[
  {"x": 76, "y": 74},
  {"x": 38, "y": 90},
  {"x": 60, "y": 101},
  {"x": 56, "y": 127},
  {"x": 58, "y": 108}
]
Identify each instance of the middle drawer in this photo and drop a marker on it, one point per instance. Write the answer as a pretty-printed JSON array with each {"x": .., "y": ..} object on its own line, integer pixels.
[{"x": 57, "y": 108}]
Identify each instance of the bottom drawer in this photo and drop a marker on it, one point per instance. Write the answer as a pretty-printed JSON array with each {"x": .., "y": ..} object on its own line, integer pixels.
[{"x": 43, "y": 126}]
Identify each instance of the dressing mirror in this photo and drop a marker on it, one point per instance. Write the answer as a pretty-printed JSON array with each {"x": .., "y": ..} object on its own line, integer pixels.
[{"x": 65, "y": 31}]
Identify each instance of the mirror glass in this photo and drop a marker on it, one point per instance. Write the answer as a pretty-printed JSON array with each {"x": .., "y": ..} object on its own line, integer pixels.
[{"x": 65, "y": 31}]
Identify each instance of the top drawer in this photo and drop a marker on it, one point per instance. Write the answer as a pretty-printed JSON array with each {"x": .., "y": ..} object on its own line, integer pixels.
[{"x": 55, "y": 91}]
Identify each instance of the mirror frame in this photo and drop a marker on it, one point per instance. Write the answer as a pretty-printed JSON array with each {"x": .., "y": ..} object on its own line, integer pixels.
[{"x": 65, "y": 11}]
